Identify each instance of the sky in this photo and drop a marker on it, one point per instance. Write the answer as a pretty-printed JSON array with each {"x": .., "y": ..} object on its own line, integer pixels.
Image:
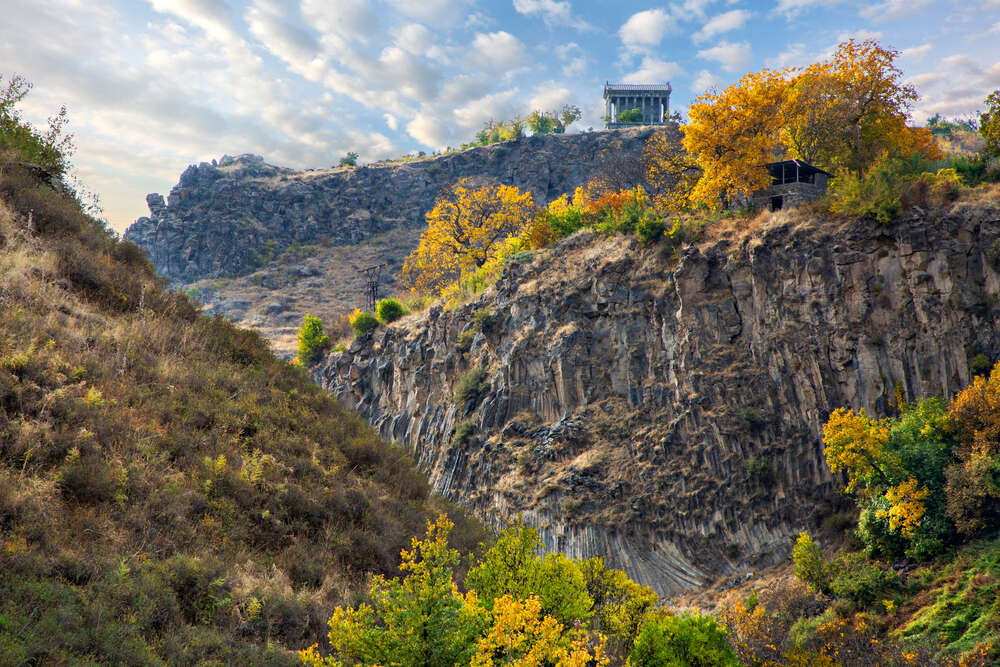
[{"x": 155, "y": 85}]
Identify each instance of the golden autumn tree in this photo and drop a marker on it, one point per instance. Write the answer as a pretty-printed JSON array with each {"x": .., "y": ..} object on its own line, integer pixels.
[
  {"x": 672, "y": 172},
  {"x": 847, "y": 112},
  {"x": 464, "y": 231},
  {"x": 733, "y": 133}
]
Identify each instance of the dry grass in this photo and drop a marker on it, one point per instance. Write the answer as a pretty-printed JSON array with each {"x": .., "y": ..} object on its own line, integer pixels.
[{"x": 169, "y": 490}]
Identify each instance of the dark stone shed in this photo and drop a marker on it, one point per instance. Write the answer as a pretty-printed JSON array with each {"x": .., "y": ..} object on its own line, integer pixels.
[{"x": 792, "y": 182}]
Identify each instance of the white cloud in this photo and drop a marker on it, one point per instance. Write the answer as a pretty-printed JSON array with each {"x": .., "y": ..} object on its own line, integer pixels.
[
  {"x": 415, "y": 38},
  {"x": 653, "y": 70},
  {"x": 795, "y": 55},
  {"x": 792, "y": 8},
  {"x": 391, "y": 121},
  {"x": 705, "y": 81},
  {"x": 645, "y": 29},
  {"x": 573, "y": 56},
  {"x": 549, "y": 96},
  {"x": 732, "y": 57},
  {"x": 861, "y": 34},
  {"x": 429, "y": 131},
  {"x": 917, "y": 52},
  {"x": 731, "y": 20},
  {"x": 553, "y": 12},
  {"x": 893, "y": 10},
  {"x": 498, "y": 50}
]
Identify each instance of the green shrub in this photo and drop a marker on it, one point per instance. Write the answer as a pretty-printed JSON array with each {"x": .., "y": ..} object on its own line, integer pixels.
[
  {"x": 50, "y": 150},
  {"x": 313, "y": 342},
  {"x": 485, "y": 320},
  {"x": 464, "y": 340},
  {"x": 362, "y": 322},
  {"x": 471, "y": 388},
  {"x": 649, "y": 230},
  {"x": 810, "y": 566},
  {"x": 860, "y": 581},
  {"x": 691, "y": 640},
  {"x": 389, "y": 310},
  {"x": 88, "y": 480},
  {"x": 464, "y": 432}
]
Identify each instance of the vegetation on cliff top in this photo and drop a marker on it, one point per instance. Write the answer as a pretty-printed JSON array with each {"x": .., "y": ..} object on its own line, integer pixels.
[{"x": 170, "y": 492}]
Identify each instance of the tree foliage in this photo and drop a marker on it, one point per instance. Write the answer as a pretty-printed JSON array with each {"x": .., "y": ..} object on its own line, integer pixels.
[
  {"x": 50, "y": 149},
  {"x": 418, "y": 619},
  {"x": 552, "y": 122},
  {"x": 349, "y": 160},
  {"x": 989, "y": 124},
  {"x": 843, "y": 114},
  {"x": 312, "y": 340},
  {"x": 463, "y": 233},
  {"x": 685, "y": 640}
]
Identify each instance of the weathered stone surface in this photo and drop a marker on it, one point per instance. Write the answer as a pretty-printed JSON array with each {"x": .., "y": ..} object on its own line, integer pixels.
[
  {"x": 666, "y": 413},
  {"x": 222, "y": 219}
]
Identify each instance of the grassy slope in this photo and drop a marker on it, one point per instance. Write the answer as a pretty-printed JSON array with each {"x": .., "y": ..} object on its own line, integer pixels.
[{"x": 169, "y": 490}]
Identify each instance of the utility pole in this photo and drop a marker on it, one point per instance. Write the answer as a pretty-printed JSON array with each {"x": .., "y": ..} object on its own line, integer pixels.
[{"x": 371, "y": 286}]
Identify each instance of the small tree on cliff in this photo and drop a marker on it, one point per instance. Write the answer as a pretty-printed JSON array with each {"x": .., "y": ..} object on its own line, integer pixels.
[
  {"x": 989, "y": 124},
  {"x": 464, "y": 230},
  {"x": 313, "y": 341}
]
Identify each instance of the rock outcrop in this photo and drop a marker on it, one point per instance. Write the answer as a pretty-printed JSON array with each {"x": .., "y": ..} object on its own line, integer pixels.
[
  {"x": 229, "y": 217},
  {"x": 665, "y": 411}
]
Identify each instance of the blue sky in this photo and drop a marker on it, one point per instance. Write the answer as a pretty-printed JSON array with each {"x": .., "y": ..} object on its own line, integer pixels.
[{"x": 154, "y": 86}]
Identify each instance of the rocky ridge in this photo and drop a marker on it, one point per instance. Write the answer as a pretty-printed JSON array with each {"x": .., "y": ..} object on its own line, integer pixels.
[
  {"x": 665, "y": 412},
  {"x": 229, "y": 217}
]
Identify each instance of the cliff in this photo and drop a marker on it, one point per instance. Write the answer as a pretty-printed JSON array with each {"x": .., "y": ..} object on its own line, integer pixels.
[
  {"x": 227, "y": 218},
  {"x": 663, "y": 411}
]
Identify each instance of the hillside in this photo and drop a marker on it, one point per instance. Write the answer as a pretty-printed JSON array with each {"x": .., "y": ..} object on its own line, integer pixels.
[
  {"x": 263, "y": 245},
  {"x": 170, "y": 492},
  {"x": 664, "y": 410}
]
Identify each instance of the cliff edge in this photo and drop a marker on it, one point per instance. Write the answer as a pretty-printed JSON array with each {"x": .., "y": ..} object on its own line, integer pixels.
[{"x": 665, "y": 411}]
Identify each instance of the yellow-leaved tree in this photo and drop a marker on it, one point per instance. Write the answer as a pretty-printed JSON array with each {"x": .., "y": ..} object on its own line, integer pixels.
[
  {"x": 845, "y": 113},
  {"x": 465, "y": 230},
  {"x": 733, "y": 133}
]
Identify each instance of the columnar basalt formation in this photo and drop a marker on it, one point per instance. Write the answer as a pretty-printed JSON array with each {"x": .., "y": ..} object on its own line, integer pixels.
[
  {"x": 223, "y": 219},
  {"x": 665, "y": 412}
]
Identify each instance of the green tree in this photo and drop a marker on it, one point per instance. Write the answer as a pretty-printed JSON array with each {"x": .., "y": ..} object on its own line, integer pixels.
[
  {"x": 362, "y": 322},
  {"x": 349, "y": 160},
  {"x": 682, "y": 641},
  {"x": 621, "y": 606},
  {"x": 513, "y": 566},
  {"x": 552, "y": 122},
  {"x": 629, "y": 116},
  {"x": 389, "y": 310},
  {"x": 989, "y": 124},
  {"x": 419, "y": 619},
  {"x": 50, "y": 150},
  {"x": 313, "y": 341},
  {"x": 810, "y": 566}
]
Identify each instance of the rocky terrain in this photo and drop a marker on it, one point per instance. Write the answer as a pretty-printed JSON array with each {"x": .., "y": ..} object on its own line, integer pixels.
[
  {"x": 264, "y": 244},
  {"x": 664, "y": 410}
]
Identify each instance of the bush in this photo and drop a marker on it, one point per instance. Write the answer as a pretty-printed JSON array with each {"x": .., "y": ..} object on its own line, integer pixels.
[
  {"x": 649, "y": 230},
  {"x": 389, "y": 310},
  {"x": 362, "y": 322},
  {"x": 810, "y": 567},
  {"x": 692, "y": 640},
  {"x": 860, "y": 581},
  {"x": 464, "y": 340},
  {"x": 313, "y": 342},
  {"x": 485, "y": 320},
  {"x": 471, "y": 388},
  {"x": 87, "y": 480},
  {"x": 464, "y": 432}
]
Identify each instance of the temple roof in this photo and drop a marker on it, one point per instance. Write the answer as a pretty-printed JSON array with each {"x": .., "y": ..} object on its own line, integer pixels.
[{"x": 636, "y": 88}]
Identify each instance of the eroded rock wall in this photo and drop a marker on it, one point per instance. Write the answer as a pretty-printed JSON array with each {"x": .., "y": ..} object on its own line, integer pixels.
[
  {"x": 665, "y": 412},
  {"x": 222, "y": 219}
]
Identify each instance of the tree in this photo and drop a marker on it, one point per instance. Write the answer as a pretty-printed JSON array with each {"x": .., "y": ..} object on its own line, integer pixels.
[
  {"x": 629, "y": 116},
  {"x": 313, "y": 342},
  {"x": 671, "y": 171},
  {"x": 389, "y": 310},
  {"x": 50, "y": 150},
  {"x": 621, "y": 606},
  {"x": 693, "y": 640},
  {"x": 732, "y": 134},
  {"x": 419, "y": 619},
  {"x": 989, "y": 124},
  {"x": 513, "y": 567},
  {"x": 349, "y": 160},
  {"x": 465, "y": 229},
  {"x": 810, "y": 566},
  {"x": 522, "y": 634}
]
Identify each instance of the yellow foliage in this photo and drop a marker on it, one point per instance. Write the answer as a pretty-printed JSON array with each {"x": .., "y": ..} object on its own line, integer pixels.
[
  {"x": 906, "y": 507},
  {"x": 521, "y": 635},
  {"x": 855, "y": 443},
  {"x": 464, "y": 231},
  {"x": 672, "y": 172}
]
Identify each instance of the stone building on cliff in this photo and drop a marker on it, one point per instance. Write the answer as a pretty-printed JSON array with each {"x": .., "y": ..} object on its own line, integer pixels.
[{"x": 792, "y": 182}]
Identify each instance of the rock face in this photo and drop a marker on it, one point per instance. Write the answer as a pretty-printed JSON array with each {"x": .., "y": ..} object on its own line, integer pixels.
[
  {"x": 230, "y": 217},
  {"x": 665, "y": 411}
]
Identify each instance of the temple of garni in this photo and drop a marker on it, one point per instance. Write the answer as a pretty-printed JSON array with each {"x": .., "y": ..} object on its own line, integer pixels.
[{"x": 651, "y": 99}]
